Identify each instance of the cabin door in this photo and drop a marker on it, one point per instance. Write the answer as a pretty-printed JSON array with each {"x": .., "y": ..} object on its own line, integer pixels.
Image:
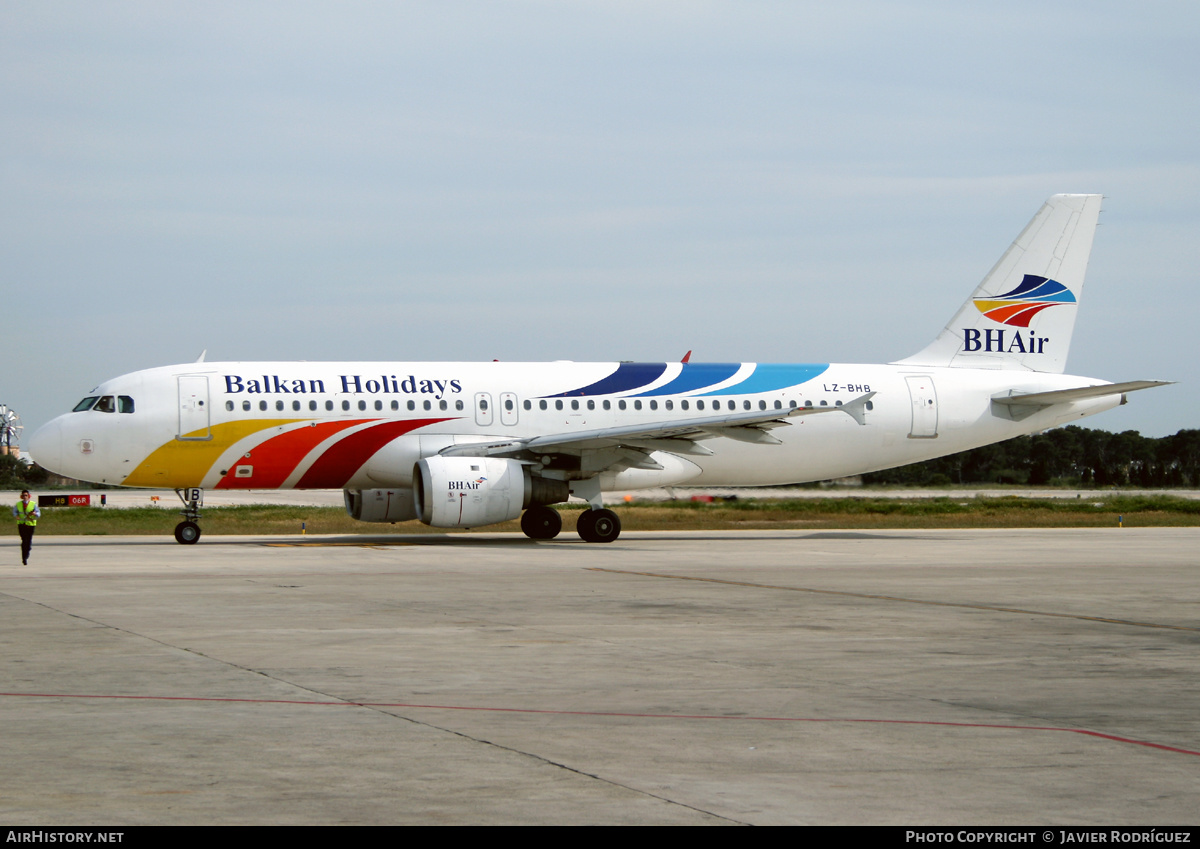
[
  {"x": 193, "y": 407},
  {"x": 924, "y": 407}
]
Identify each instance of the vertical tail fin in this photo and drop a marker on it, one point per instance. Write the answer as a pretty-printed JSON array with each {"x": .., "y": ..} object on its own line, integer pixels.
[{"x": 1023, "y": 313}]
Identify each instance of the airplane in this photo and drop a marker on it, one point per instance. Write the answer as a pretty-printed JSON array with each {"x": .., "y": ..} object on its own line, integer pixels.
[{"x": 466, "y": 445}]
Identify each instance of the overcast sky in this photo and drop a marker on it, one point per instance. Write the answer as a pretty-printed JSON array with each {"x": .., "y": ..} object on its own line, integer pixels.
[{"x": 757, "y": 181}]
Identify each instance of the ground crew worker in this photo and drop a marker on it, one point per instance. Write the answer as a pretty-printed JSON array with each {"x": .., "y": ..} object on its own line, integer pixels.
[{"x": 26, "y": 513}]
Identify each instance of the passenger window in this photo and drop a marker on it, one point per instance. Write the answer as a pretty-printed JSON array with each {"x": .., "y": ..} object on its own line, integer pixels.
[
  {"x": 105, "y": 405},
  {"x": 395, "y": 404},
  {"x": 362, "y": 405},
  {"x": 296, "y": 406},
  {"x": 246, "y": 406},
  {"x": 683, "y": 405},
  {"x": 669, "y": 405},
  {"x": 345, "y": 405},
  {"x": 262, "y": 405},
  {"x": 312, "y": 405},
  {"x": 653, "y": 405},
  {"x": 700, "y": 404},
  {"x": 229, "y": 406},
  {"x": 542, "y": 405},
  {"x": 412, "y": 405},
  {"x": 508, "y": 404},
  {"x": 458, "y": 405},
  {"x": 608, "y": 405},
  {"x": 591, "y": 404},
  {"x": 528, "y": 405},
  {"x": 442, "y": 405},
  {"x": 791, "y": 405},
  {"x": 279, "y": 405},
  {"x": 732, "y": 405},
  {"x": 762, "y": 405},
  {"x": 378, "y": 405},
  {"x": 427, "y": 405},
  {"x": 574, "y": 405},
  {"x": 329, "y": 405},
  {"x": 621, "y": 404},
  {"x": 483, "y": 404},
  {"x": 637, "y": 405},
  {"x": 85, "y": 404}
]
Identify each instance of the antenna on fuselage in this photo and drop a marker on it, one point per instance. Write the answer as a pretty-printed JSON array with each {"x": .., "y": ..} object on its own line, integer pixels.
[{"x": 203, "y": 354}]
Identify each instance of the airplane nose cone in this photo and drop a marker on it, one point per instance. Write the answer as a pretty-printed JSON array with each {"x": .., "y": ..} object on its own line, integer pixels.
[{"x": 45, "y": 446}]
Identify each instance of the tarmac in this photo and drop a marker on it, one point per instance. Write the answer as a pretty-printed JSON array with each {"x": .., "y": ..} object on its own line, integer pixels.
[{"x": 794, "y": 677}]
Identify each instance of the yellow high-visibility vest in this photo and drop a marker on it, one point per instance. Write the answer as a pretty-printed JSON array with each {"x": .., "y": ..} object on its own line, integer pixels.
[{"x": 26, "y": 515}]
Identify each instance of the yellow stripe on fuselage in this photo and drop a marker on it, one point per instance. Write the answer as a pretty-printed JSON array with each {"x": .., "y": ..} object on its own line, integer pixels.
[{"x": 183, "y": 463}]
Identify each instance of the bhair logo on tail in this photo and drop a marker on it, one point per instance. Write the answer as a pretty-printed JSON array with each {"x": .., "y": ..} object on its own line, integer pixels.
[
  {"x": 1018, "y": 307},
  {"x": 1008, "y": 323}
]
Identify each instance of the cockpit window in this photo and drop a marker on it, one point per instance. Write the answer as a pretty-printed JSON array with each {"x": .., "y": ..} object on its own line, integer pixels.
[
  {"x": 107, "y": 404},
  {"x": 85, "y": 404},
  {"x": 124, "y": 404}
]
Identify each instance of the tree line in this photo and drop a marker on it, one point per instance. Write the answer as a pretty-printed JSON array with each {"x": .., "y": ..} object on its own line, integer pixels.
[
  {"x": 1065, "y": 456},
  {"x": 17, "y": 475}
]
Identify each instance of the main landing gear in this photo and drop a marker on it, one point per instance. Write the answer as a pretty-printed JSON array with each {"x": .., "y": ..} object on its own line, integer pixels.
[
  {"x": 187, "y": 531},
  {"x": 542, "y": 522},
  {"x": 598, "y": 525}
]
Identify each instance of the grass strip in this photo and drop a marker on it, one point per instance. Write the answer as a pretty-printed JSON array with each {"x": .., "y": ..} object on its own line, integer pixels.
[{"x": 747, "y": 514}]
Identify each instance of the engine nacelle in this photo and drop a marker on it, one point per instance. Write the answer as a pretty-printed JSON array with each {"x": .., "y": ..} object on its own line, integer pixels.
[
  {"x": 381, "y": 505},
  {"x": 469, "y": 492}
]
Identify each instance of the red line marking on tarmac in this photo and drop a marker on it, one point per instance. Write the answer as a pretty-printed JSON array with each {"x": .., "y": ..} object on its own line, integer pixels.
[{"x": 618, "y": 714}]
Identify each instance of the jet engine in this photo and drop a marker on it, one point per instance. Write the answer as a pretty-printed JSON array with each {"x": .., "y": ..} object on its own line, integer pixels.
[{"x": 469, "y": 492}]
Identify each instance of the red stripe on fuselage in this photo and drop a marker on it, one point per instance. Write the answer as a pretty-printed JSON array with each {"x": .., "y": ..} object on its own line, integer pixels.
[
  {"x": 275, "y": 459},
  {"x": 342, "y": 459}
]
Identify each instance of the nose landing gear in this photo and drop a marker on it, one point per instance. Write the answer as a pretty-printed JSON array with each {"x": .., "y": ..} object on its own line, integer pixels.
[{"x": 187, "y": 531}]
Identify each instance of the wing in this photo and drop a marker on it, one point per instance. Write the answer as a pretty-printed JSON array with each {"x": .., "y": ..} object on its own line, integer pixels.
[{"x": 679, "y": 436}]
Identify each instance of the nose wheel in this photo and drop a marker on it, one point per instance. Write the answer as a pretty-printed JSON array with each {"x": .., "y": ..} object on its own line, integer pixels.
[{"x": 188, "y": 531}]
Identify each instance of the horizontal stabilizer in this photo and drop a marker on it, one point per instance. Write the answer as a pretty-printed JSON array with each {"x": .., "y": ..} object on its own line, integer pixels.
[{"x": 1063, "y": 396}]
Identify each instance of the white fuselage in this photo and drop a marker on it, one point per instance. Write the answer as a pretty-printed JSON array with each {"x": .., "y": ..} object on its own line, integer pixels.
[{"x": 300, "y": 425}]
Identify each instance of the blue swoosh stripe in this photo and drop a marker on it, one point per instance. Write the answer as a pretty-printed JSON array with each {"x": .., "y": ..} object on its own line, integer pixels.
[
  {"x": 628, "y": 376},
  {"x": 695, "y": 377},
  {"x": 773, "y": 377}
]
